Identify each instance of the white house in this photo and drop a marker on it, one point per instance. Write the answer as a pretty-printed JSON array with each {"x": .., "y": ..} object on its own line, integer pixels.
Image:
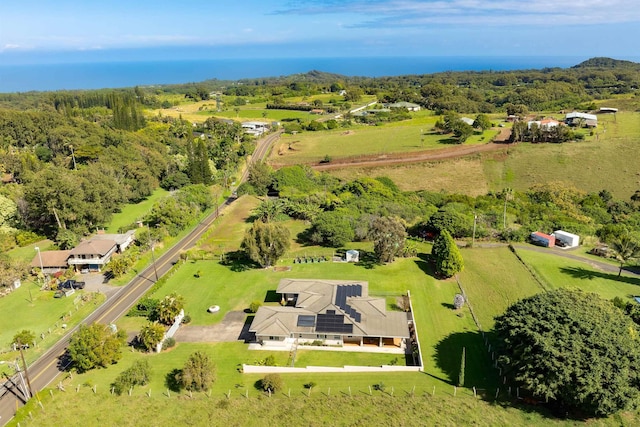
[
  {"x": 334, "y": 312},
  {"x": 409, "y": 106}
]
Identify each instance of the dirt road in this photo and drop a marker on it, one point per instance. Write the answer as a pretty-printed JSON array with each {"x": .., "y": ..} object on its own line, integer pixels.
[{"x": 451, "y": 152}]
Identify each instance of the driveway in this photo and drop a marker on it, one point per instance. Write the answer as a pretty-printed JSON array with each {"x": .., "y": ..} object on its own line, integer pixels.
[
  {"x": 97, "y": 282},
  {"x": 231, "y": 328}
]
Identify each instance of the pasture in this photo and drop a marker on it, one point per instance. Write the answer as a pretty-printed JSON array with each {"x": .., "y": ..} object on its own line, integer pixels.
[
  {"x": 493, "y": 279},
  {"x": 603, "y": 161},
  {"x": 356, "y": 141}
]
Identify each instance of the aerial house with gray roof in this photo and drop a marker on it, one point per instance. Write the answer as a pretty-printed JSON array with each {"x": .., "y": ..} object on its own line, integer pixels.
[{"x": 334, "y": 312}]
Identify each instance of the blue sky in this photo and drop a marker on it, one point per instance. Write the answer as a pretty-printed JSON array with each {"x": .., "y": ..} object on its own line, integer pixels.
[{"x": 63, "y": 30}]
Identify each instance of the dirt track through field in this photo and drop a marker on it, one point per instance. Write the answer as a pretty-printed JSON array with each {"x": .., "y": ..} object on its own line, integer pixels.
[{"x": 404, "y": 158}]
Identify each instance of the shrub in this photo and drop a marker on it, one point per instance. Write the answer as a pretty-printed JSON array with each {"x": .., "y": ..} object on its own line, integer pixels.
[
  {"x": 198, "y": 374},
  {"x": 24, "y": 338},
  {"x": 272, "y": 383},
  {"x": 379, "y": 386},
  {"x": 169, "y": 343},
  {"x": 186, "y": 319},
  {"x": 310, "y": 385},
  {"x": 254, "y": 306},
  {"x": 138, "y": 374}
]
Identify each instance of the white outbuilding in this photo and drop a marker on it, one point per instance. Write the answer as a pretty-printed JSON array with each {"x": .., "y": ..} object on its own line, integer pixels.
[
  {"x": 569, "y": 240},
  {"x": 352, "y": 255}
]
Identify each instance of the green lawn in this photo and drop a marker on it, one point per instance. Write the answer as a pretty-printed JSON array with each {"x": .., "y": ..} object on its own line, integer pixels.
[
  {"x": 129, "y": 214},
  {"x": 38, "y": 311},
  {"x": 493, "y": 279},
  {"x": 562, "y": 272},
  {"x": 28, "y": 252},
  {"x": 406, "y": 136}
]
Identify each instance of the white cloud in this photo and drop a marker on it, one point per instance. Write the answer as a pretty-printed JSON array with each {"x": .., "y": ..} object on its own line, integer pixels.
[{"x": 381, "y": 13}]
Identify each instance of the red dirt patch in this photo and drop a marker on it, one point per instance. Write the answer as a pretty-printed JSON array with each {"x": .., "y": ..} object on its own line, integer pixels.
[{"x": 404, "y": 158}]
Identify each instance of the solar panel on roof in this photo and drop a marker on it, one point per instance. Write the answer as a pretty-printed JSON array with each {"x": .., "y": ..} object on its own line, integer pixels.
[
  {"x": 333, "y": 323},
  {"x": 305, "y": 320}
]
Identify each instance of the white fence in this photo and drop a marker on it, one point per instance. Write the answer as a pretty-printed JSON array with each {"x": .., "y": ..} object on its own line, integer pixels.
[
  {"x": 172, "y": 330},
  {"x": 253, "y": 369}
]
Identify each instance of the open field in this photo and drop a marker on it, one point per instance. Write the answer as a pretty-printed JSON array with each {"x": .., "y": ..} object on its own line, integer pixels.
[
  {"x": 464, "y": 176},
  {"x": 409, "y": 136},
  {"x": 562, "y": 272},
  {"x": 591, "y": 165},
  {"x": 606, "y": 161},
  {"x": 37, "y": 311},
  {"x": 26, "y": 253},
  {"x": 201, "y": 110},
  {"x": 493, "y": 278},
  {"x": 133, "y": 212}
]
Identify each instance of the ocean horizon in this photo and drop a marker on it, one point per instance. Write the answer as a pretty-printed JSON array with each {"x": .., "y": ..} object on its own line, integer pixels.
[{"x": 120, "y": 74}]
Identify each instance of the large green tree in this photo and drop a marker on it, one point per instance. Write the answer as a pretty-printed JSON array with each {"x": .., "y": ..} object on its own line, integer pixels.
[
  {"x": 332, "y": 228},
  {"x": 572, "y": 347},
  {"x": 198, "y": 374},
  {"x": 265, "y": 243},
  {"x": 446, "y": 255},
  {"x": 94, "y": 346},
  {"x": 388, "y": 235},
  {"x": 625, "y": 248}
]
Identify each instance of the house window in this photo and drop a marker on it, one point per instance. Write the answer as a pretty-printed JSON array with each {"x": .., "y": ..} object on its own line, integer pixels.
[{"x": 336, "y": 337}]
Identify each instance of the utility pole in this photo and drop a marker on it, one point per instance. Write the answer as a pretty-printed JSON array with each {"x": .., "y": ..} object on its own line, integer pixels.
[
  {"x": 507, "y": 195},
  {"x": 26, "y": 374},
  {"x": 473, "y": 239},
  {"x": 40, "y": 258},
  {"x": 154, "y": 262}
]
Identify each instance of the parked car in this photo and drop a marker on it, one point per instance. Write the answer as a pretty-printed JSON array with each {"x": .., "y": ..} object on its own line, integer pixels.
[{"x": 71, "y": 284}]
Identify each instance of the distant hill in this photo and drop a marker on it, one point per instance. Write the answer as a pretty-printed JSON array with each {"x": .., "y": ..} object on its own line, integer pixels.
[{"x": 604, "y": 62}]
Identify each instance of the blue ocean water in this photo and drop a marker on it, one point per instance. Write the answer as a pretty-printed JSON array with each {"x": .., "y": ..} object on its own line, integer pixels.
[{"x": 95, "y": 75}]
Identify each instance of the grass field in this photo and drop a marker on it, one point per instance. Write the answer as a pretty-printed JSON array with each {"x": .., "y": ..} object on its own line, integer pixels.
[
  {"x": 607, "y": 161},
  {"x": 201, "y": 110},
  {"x": 28, "y": 252},
  {"x": 493, "y": 278},
  {"x": 39, "y": 312},
  {"x": 562, "y": 272},
  {"x": 134, "y": 212},
  {"x": 465, "y": 176},
  {"x": 398, "y": 137}
]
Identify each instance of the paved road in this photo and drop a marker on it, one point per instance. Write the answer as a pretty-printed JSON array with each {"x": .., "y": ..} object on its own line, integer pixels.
[{"x": 43, "y": 371}]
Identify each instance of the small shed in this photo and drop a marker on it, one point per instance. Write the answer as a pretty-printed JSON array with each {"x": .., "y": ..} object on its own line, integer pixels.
[
  {"x": 543, "y": 239},
  {"x": 352, "y": 255},
  {"x": 568, "y": 239}
]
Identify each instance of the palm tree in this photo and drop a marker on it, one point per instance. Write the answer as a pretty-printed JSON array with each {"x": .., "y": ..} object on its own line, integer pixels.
[{"x": 625, "y": 248}]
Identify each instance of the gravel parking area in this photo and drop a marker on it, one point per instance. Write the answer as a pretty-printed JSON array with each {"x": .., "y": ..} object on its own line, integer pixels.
[{"x": 231, "y": 328}]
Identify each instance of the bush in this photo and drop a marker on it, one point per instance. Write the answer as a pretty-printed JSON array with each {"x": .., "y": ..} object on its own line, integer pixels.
[
  {"x": 254, "y": 306},
  {"x": 138, "y": 374},
  {"x": 186, "y": 319},
  {"x": 169, "y": 343},
  {"x": 310, "y": 385},
  {"x": 272, "y": 383},
  {"x": 24, "y": 338},
  {"x": 198, "y": 374}
]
